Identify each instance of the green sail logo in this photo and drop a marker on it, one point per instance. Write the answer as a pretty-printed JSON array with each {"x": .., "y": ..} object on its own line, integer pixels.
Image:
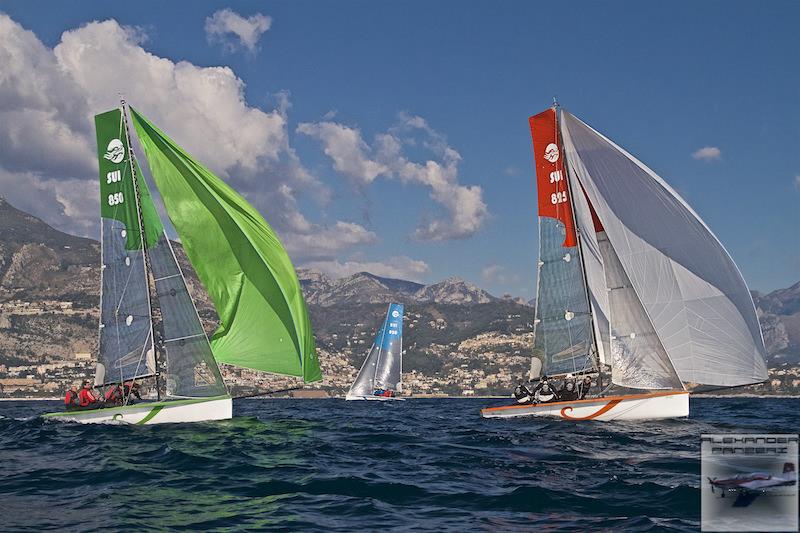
[{"x": 115, "y": 152}]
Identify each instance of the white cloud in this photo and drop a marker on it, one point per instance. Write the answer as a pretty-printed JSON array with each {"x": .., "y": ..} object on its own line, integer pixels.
[
  {"x": 362, "y": 164},
  {"x": 797, "y": 182},
  {"x": 707, "y": 153},
  {"x": 347, "y": 150},
  {"x": 47, "y": 148},
  {"x": 234, "y": 31},
  {"x": 395, "y": 267},
  {"x": 495, "y": 273}
]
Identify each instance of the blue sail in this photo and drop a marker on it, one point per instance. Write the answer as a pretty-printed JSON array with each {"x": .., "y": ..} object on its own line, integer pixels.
[{"x": 382, "y": 369}]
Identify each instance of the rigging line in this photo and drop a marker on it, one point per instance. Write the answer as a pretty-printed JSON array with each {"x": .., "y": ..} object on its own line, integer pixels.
[
  {"x": 166, "y": 277},
  {"x": 184, "y": 338}
]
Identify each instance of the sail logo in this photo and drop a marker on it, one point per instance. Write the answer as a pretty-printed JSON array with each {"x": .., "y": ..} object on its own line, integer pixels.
[
  {"x": 395, "y": 313},
  {"x": 115, "y": 152},
  {"x": 551, "y": 153}
]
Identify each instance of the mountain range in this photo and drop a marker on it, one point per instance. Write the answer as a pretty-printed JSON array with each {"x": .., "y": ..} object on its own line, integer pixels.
[{"x": 41, "y": 264}]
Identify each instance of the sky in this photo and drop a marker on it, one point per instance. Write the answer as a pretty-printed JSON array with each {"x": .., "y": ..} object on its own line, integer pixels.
[{"x": 392, "y": 136}]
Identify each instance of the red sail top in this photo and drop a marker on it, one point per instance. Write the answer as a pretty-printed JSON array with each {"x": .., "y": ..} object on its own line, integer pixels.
[{"x": 551, "y": 178}]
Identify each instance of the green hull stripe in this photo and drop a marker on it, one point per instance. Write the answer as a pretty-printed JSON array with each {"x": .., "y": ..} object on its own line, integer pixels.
[
  {"x": 150, "y": 415},
  {"x": 154, "y": 405}
]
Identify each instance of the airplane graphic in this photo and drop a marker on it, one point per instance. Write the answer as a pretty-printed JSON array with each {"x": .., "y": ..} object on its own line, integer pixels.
[{"x": 748, "y": 487}]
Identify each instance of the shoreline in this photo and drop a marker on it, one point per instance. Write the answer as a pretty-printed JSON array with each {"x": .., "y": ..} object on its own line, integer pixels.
[{"x": 694, "y": 396}]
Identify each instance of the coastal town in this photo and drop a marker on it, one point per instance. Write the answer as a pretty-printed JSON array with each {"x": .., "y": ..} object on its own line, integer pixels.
[{"x": 489, "y": 363}]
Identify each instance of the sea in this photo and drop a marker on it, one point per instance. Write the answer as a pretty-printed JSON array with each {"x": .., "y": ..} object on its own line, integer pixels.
[{"x": 330, "y": 465}]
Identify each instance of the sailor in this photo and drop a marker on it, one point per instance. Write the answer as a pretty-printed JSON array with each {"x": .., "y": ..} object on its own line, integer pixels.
[
  {"x": 114, "y": 395},
  {"x": 71, "y": 400},
  {"x": 568, "y": 390},
  {"x": 583, "y": 387},
  {"x": 522, "y": 394},
  {"x": 546, "y": 393},
  {"x": 378, "y": 392},
  {"x": 87, "y": 399},
  {"x": 131, "y": 388}
]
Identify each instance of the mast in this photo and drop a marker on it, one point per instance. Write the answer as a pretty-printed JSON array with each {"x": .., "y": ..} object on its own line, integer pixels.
[
  {"x": 142, "y": 240},
  {"x": 579, "y": 239}
]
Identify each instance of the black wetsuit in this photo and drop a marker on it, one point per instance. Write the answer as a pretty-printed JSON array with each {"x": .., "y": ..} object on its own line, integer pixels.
[
  {"x": 583, "y": 389},
  {"x": 566, "y": 394}
]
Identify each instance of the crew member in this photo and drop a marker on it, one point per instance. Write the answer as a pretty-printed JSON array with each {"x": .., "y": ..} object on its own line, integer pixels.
[
  {"x": 522, "y": 394},
  {"x": 114, "y": 395},
  {"x": 87, "y": 399},
  {"x": 71, "y": 400},
  {"x": 546, "y": 394},
  {"x": 131, "y": 389},
  {"x": 583, "y": 387},
  {"x": 568, "y": 391}
]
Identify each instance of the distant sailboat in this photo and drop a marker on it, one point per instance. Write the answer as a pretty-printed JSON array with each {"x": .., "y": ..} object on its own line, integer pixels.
[
  {"x": 149, "y": 326},
  {"x": 631, "y": 283},
  {"x": 381, "y": 374}
]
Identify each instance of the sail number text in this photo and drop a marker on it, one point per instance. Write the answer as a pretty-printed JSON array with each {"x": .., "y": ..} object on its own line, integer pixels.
[
  {"x": 113, "y": 176},
  {"x": 558, "y": 197},
  {"x": 115, "y": 198}
]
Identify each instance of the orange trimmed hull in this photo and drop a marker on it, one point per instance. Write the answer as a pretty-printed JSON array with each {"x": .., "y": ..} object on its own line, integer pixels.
[{"x": 648, "y": 406}]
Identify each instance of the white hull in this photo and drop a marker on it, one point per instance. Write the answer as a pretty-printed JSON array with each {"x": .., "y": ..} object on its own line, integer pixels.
[
  {"x": 169, "y": 412},
  {"x": 374, "y": 398},
  {"x": 649, "y": 406}
]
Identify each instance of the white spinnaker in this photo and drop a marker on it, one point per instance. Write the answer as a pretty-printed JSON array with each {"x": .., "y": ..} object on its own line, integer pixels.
[
  {"x": 637, "y": 357},
  {"x": 692, "y": 291}
]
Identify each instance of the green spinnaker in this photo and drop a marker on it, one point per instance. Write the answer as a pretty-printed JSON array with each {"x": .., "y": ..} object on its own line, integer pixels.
[{"x": 264, "y": 322}]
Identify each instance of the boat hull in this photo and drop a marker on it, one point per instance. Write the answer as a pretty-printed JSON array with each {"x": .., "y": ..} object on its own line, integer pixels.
[
  {"x": 147, "y": 413},
  {"x": 649, "y": 406},
  {"x": 375, "y": 398}
]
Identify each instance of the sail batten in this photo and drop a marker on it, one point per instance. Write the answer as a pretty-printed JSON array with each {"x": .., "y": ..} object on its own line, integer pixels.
[
  {"x": 685, "y": 280},
  {"x": 264, "y": 323}
]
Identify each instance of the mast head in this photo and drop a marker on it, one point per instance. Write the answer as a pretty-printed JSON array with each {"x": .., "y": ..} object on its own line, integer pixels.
[{"x": 555, "y": 102}]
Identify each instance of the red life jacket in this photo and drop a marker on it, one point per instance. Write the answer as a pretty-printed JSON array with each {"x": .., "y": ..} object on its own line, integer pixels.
[
  {"x": 114, "y": 393},
  {"x": 86, "y": 397},
  {"x": 69, "y": 399}
]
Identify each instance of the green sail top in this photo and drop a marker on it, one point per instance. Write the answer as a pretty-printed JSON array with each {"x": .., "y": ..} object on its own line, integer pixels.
[
  {"x": 264, "y": 323},
  {"x": 117, "y": 189}
]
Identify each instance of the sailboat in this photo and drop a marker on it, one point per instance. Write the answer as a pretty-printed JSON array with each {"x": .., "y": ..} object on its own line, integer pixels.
[
  {"x": 149, "y": 326},
  {"x": 381, "y": 374},
  {"x": 634, "y": 289}
]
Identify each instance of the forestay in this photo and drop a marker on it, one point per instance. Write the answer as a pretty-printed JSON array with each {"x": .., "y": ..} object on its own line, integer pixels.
[{"x": 688, "y": 285}]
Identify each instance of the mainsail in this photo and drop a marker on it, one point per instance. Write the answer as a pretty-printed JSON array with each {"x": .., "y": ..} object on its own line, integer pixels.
[
  {"x": 382, "y": 369},
  {"x": 126, "y": 335},
  {"x": 563, "y": 334},
  {"x": 692, "y": 293},
  {"x": 264, "y": 323}
]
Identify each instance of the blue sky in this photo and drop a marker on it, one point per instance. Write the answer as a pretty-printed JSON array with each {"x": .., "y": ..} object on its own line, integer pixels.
[{"x": 663, "y": 80}]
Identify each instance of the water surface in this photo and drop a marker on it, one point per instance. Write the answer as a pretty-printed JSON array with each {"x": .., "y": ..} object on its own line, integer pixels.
[{"x": 418, "y": 465}]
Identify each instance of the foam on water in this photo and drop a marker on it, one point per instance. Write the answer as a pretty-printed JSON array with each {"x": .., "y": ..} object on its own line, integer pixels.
[{"x": 343, "y": 466}]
